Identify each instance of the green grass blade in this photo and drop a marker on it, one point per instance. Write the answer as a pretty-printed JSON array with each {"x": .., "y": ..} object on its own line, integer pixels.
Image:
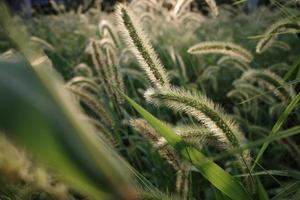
[
  {"x": 211, "y": 171},
  {"x": 55, "y": 135},
  {"x": 285, "y": 173},
  {"x": 262, "y": 194},
  {"x": 294, "y": 187},
  {"x": 278, "y": 125},
  {"x": 292, "y": 69}
]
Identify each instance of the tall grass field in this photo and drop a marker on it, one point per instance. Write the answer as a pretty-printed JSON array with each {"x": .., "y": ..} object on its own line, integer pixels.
[{"x": 150, "y": 99}]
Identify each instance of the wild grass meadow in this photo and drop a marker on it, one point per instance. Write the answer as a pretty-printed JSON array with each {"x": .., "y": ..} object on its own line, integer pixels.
[{"x": 151, "y": 99}]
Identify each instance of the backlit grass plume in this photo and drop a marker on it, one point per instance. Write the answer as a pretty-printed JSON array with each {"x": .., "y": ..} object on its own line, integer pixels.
[
  {"x": 239, "y": 64},
  {"x": 94, "y": 104},
  {"x": 135, "y": 37},
  {"x": 270, "y": 81},
  {"x": 164, "y": 149},
  {"x": 195, "y": 135},
  {"x": 254, "y": 92},
  {"x": 17, "y": 169},
  {"x": 226, "y": 48},
  {"x": 180, "y": 7},
  {"x": 283, "y": 25},
  {"x": 182, "y": 183},
  {"x": 213, "y": 7},
  {"x": 106, "y": 29},
  {"x": 99, "y": 61},
  {"x": 204, "y": 110},
  {"x": 83, "y": 70},
  {"x": 167, "y": 152},
  {"x": 112, "y": 66}
]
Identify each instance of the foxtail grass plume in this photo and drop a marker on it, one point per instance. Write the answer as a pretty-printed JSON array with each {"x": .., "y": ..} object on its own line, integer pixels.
[
  {"x": 197, "y": 136},
  {"x": 114, "y": 71},
  {"x": 83, "y": 70},
  {"x": 180, "y": 7},
  {"x": 142, "y": 5},
  {"x": 164, "y": 149},
  {"x": 106, "y": 29},
  {"x": 254, "y": 92},
  {"x": 167, "y": 152},
  {"x": 191, "y": 19},
  {"x": 204, "y": 110},
  {"x": 26, "y": 174},
  {"x": 135, "y": 37},
  {"x": 84, "y": 83},
  {"x": 94, "y": 104},
  {"x": 213, "y": 7},
  {"x": 226, "y": 48},
  {"x": 107, "y": 43},
  {"x": 281, "y": 45},
  {"x": 290, "y": 25},
  {"x": 270, "y": 81},
  {"x": 99, "y": 61},
  {"x": 238, "y": 64},
  {"x": 182, "y": 184},
  {"x": 43, "y": 44}
]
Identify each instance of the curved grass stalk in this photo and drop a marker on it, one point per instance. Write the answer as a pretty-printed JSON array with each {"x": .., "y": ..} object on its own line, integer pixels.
[
  {"x": 147, "y": 17},
  {"x": 84, "y": 82},
  {"x": 281, "y": 45},
  {"x": 135, "y": 4},
  {"x": 213, "y": 7},
  {"x": 226, "y": 48},
  {"x": 102, "y": 131},
  {"x": 83, "y": 70},
  {"x": 279, "y": 67},
  {"x": 254, "y": 92},
  {"x": 178, "y": 61},
  {"x": 113, "y": 68},
  {"x": 95, "y": 105},
  {"x": 271, "y": 33},
  {"x": 8, "y": 54},
  {"x": 239, "y": 64},
  {"x": 190, "y": 18},
  {"x": 107, "y": 43},
  {"x": 182, "y": 184},
  {"x": 135, "y": 37},
  {"x": 167, "y": 152},
  {"x": 271, "y": 82},
  {"x": 101, "y": 67},
  {"x": 106, "y": 29},
  {"x": 243, "y": 96},
  {"x": 210, "y": 72},
  {"x": 126, "y": 56},
  {"x": 180, "y": 7},
  {"x": 164, "y": 149},
  {"x": 204, "y": 110},
  {"x": 42, "y": 42},
  {"x": 133, "y": 73}
]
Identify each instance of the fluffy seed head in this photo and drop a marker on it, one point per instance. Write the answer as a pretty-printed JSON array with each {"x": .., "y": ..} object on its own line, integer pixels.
[
  {"x": 202, "y": 109},
  {"x": 239, "y": 64},
  {"x": 226, "y": 48},
  {"x": 213, "y": 7},
  {"x": 164, "y": 149},
  {"x": 272, "y": 32},
  {"x": 271, "y": 81},
  {"x": 135, "y": 37},
  {"x": 182, "y": 180}
]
